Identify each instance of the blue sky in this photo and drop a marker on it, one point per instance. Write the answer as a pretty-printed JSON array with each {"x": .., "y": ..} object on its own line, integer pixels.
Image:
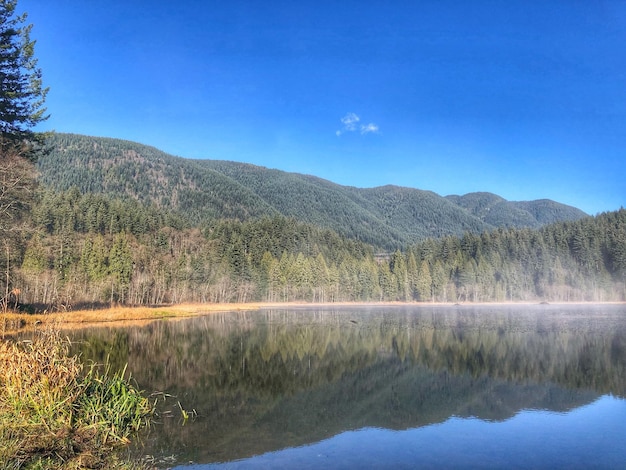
[{"x": 525, "y": 99}]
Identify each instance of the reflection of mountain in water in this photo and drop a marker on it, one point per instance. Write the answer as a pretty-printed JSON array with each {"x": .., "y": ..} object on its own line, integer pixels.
[
  {"x": 398, "y": 396},
  {"x": 264, "y": 381}
]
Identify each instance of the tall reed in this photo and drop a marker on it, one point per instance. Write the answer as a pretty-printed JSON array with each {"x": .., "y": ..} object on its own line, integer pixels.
[{"x": 54, "y": 414}]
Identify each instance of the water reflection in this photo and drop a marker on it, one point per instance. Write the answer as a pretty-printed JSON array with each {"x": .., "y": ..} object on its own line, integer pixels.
[
  {"x": 276, "y": 379},
  {"x": 574, "y": 440}
]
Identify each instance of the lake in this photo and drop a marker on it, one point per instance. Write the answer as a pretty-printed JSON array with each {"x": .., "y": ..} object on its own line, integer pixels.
[{"x": 540, "y": 386}]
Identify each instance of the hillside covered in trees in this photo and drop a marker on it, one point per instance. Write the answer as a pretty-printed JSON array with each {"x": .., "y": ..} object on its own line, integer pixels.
[
  {"x": 204, "y": 191},
  {"x": 90, "y": 249},
  {"x": 116, "y": 222}
]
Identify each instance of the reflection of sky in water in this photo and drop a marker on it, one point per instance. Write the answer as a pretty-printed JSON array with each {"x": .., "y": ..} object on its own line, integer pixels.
[
  {"x": 458, "y": 378},
  {"x": 588, "y": 437}
]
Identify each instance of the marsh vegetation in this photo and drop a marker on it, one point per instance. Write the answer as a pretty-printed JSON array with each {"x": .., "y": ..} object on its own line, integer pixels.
[{"x": 58, "y": 413}]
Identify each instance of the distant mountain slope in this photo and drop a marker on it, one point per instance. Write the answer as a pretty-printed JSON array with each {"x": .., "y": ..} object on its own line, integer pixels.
[
  {"x": 387, "y": 216},
  {"x": 420, "y": 214},
  {"x": 203, "y": 190},
  {"x": 122, "y": 168},
  {"x": 496, "y": 211}
]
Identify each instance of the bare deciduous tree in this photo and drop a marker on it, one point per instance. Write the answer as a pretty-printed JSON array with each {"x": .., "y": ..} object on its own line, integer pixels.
[{"x": 17, "y": 185}]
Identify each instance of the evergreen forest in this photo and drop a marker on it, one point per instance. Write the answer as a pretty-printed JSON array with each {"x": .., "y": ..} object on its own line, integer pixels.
[
  {"x": 94, "y": 243},
  {"x": 388, "y": 217}
]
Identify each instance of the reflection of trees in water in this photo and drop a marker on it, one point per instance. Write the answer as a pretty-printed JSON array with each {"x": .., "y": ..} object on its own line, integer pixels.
[
  {"x": 272, "y": 352},
  {"x": 277, "y": 378}
]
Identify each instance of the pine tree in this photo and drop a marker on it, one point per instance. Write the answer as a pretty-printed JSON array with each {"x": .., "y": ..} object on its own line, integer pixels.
[
  {"x": 424, "y": 282},
  {"x": 399, "y": 269},
  {"x": 439, "y": 281},
  {"x": 22, "y": 94},
  {"x": 120, "y": 267},
  {"x": 21, "y": 101}
]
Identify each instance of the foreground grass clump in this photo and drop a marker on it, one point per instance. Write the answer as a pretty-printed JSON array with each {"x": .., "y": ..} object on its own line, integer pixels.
[{"x": 54, "y": 414}]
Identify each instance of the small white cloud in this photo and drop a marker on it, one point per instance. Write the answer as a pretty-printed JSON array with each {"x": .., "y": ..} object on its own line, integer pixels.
[
  {"x": 371, "y": 127},
  {"x": 350, "y": 121},
  {"x": 351, "y": 124}
]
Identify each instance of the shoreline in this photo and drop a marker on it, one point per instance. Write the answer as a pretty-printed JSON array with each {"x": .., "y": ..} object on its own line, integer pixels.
[{"x": 12, "y": 322}]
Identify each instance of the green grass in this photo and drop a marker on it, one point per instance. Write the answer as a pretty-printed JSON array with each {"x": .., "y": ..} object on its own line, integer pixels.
[{"x": 54, "y": 414}]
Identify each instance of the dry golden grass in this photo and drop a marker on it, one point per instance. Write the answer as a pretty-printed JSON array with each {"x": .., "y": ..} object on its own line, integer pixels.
[
  {"x": 13, "y": 322},
  {"x": 53, "y": 415}
]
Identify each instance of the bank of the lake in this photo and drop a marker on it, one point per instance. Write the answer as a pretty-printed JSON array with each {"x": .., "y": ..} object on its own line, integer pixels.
[
  {"x": 58, "y": 413},
  {"x": 13, "y": 322}
]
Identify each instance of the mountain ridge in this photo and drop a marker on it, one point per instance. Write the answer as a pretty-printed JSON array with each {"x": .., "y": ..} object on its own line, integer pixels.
[{"x": 386, "y": 216}]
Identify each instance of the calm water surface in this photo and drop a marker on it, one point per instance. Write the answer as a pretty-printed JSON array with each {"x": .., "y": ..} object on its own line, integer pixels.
[{"x": 402, "y": 387}]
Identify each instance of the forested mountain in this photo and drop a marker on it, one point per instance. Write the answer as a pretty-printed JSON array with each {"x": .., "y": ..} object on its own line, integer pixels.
[
  {"x": 92, "y": 249},
  {"x": 203, "y": 191},
  {"x": 141, "y": 227},
  {"x": 499, "y": 212}
]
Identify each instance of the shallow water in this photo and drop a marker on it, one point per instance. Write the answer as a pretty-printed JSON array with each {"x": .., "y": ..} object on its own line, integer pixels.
[{"x": 402, "y": 387}]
